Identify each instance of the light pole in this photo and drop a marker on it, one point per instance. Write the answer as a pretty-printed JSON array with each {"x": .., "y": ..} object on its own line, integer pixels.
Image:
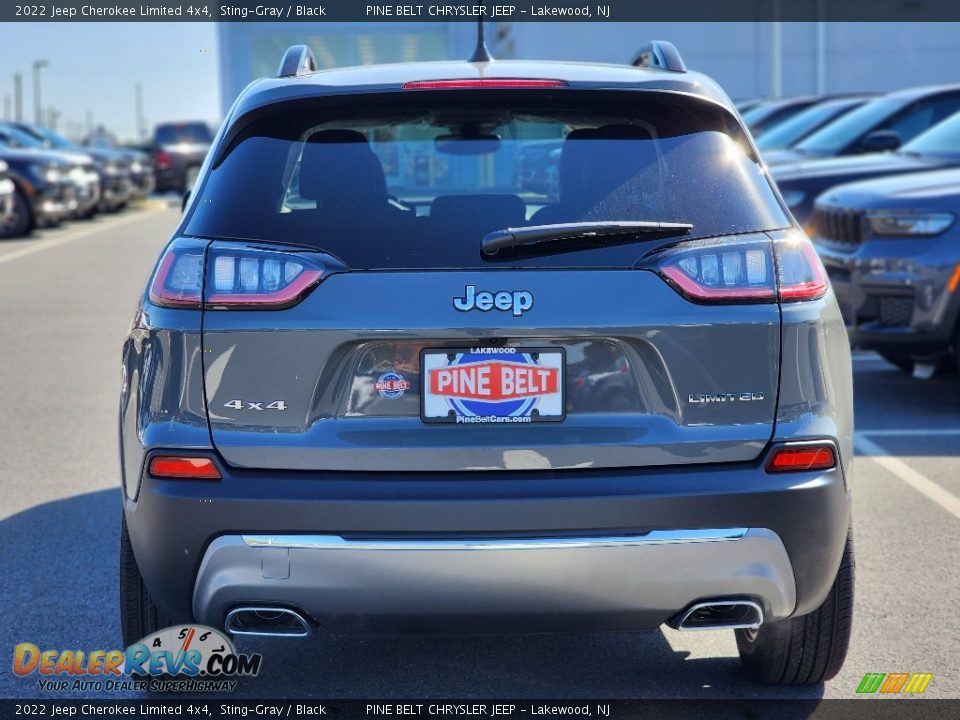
[
  {"x": 821, "y": 48},
  {"x": 139, "y": 111},
  {"x": 18, "y": 97},
  {"x": 38, "y": 65}
]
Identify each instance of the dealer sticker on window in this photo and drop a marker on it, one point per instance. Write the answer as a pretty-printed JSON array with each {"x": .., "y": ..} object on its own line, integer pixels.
[{"x": 492, "y": 385}]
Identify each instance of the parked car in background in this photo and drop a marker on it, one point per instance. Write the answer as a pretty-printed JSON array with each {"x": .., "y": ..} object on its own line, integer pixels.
[
  {"x": 882, "y": 124},
  {"x": 178, "y": 152},
  {"x": 44, "y": 193},
  {"x": 769, "y": 113},
  {"x": 124, "y": 174},
  {"x": 82, "y": 171},
  {"x": 801, "y": 183},
  {"x": 136, "y": 163},
  {"x": 892, "y": 250},
  {"x": 805, "y": 123},
  {"x": 7, "y": 193},
  {"x": 117, "y": 182},
  {"x": 143, "y": 176}
]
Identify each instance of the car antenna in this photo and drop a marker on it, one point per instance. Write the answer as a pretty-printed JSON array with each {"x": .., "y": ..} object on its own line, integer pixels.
[{"x": 480, "y": 53}]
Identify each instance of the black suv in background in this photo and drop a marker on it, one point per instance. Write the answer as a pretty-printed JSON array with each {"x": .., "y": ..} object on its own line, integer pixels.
[
  {"x": 44, "y": 194},
  {"x": 178, "y": 152},
  {"x": 892, "y": 250},
  {"x": 82, "y": 172},
  {"x": 114, "y": 166},
  {"x": 882, "y": 124}
]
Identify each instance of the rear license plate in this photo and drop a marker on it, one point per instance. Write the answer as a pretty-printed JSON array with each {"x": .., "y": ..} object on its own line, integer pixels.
[{"x": 492, "y": 385}]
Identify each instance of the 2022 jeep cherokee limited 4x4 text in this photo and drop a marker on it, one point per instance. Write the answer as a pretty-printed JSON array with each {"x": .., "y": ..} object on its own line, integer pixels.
[{"x": 374, "y": 386}]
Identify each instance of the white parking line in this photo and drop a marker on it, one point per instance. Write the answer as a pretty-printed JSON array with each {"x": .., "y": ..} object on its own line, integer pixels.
[
  {"x": 40, "y": 244},
  {"x": 919, "y": 482}
]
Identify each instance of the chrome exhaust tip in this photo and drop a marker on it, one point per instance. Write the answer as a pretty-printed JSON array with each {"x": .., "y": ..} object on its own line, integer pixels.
[
  {"x": 266, "y": 621},
  {"x": 720, "y": 615}
]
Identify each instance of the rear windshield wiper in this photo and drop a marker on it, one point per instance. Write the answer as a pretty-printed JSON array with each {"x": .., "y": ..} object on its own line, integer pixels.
[{"x": 539, "y": 234}]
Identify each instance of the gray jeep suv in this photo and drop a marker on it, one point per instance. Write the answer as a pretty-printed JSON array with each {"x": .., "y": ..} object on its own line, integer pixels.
[
  {"x": 890, "y": 249},
  {"x": 374, "y": 386}
]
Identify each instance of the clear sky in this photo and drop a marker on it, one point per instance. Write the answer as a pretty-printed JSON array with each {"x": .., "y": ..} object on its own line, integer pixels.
[{"x": 94, "y": 68}]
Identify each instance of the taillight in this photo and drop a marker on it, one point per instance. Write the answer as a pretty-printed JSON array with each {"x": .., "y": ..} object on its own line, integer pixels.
[
  {"x": 797, "y": 458},
  {"x": 249, "y": 276},
  {"x": 178, "y": 280},
  {"x": 745, "y": 269},
  {"x": 233, "y": 275},
  {"x": 162, "y": 159},
  {"x": 728, "y": 270},
  {"x": 487, "y": 83},
  {"x": 184, "y": 468},
  {"x": 800, "y": 272}
]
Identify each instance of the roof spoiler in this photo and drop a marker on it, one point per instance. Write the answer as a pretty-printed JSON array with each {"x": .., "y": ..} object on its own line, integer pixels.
[
  {"x": 659, "y": 55},
  {"x": 297, "y": 60}
]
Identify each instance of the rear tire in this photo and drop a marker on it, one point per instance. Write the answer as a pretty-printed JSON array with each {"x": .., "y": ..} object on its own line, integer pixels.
[
  {"x": 139, "y": 617},
  {"x": 808, "y": 649}
]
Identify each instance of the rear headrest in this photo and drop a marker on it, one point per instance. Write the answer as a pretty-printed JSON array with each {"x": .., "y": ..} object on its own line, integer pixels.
[
  {"x": 338, "y": 168},
  {"x": 584, "y": 164}
]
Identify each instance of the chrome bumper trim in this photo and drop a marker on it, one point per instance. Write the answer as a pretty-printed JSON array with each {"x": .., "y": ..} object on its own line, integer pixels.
[{"x": 335, "y": 542}]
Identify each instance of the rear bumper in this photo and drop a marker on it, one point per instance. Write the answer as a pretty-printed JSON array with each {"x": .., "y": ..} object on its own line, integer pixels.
[
  {"x": 614, "y": 582},
  {"x": 188, "y": 541}
]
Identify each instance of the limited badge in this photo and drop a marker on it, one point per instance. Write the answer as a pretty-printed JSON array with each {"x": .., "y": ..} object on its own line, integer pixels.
[{"x": 392, "y": 385}]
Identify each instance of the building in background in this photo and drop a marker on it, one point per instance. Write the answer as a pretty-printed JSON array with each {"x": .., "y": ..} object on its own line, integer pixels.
[
  {"x": 747, "y": 59},
  {"x": 253, "y": 50}
]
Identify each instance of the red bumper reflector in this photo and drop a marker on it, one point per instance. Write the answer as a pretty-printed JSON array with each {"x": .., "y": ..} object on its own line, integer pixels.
[
  {"x": 482, "y": 83},
  {"x": 184, "y": 468},
  {"x": 797, "y": 459}
]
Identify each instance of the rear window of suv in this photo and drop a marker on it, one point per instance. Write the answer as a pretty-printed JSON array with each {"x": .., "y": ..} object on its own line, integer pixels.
[
  {"x": 195, "y": 133},
  {"x": 417, "y": 179}
]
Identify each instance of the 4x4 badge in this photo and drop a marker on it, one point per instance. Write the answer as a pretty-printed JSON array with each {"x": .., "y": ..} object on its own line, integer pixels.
[{"x": 517, "y": 301}]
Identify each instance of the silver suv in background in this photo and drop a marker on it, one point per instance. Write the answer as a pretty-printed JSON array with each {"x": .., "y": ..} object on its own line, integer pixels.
[{"x": 374, "y": 385}]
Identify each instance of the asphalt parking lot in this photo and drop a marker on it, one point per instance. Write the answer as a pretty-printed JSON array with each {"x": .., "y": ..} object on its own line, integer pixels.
[{"x": 68, "y": 296}]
